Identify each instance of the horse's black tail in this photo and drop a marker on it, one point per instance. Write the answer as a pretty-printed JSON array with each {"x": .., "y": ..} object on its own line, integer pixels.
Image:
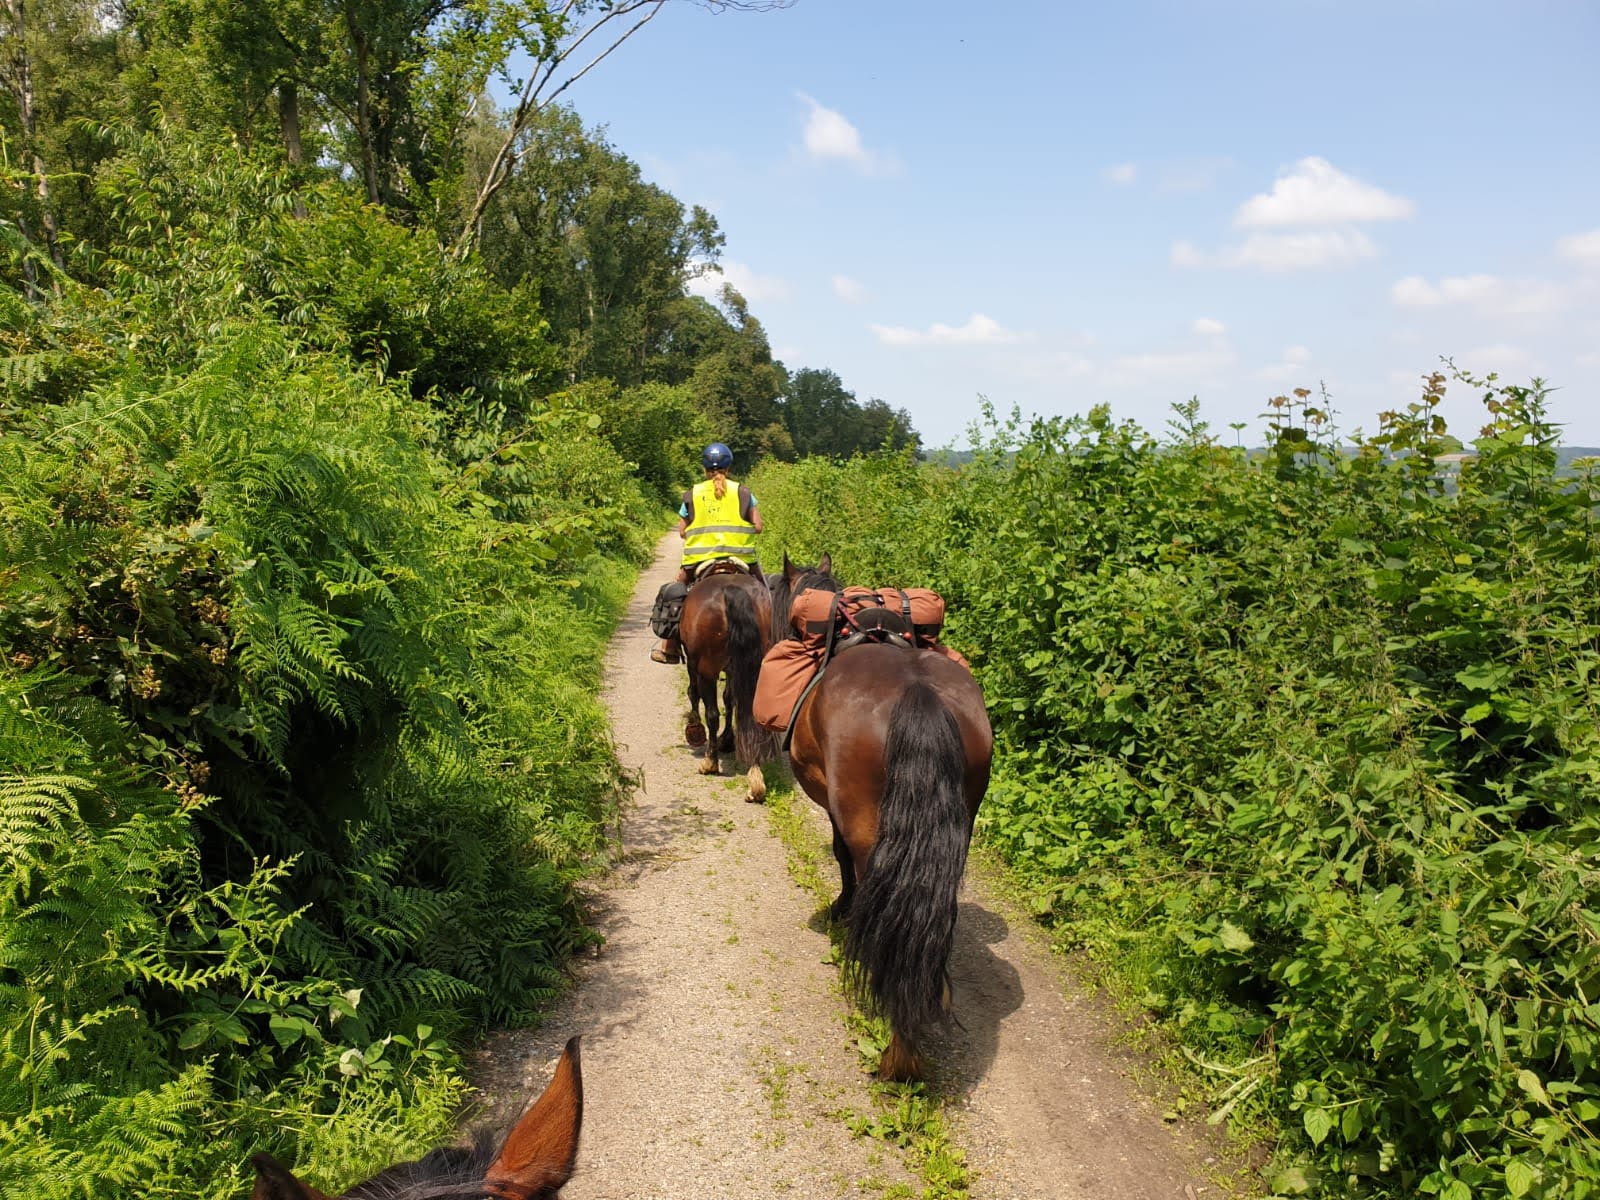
[
  {"x": 753, "y": 744},
  {"x": 903, "y": 919}
]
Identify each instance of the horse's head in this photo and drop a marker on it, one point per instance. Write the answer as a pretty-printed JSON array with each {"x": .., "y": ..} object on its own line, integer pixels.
[
  {"x": 533, "y": 1162},
  {"x": 794, "y": 580}
]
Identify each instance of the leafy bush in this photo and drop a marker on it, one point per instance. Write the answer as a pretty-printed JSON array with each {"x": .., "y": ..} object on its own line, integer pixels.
[
  {"x": 302, "y": 750},
  {"x": 1302, "y": 744}
]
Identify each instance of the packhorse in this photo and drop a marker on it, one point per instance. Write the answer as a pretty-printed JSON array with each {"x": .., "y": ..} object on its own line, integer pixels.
[
  {"x": 532, "y": 1163},
  {"x": 894, "y": 743},
  {"x": 724, "y": 629}
]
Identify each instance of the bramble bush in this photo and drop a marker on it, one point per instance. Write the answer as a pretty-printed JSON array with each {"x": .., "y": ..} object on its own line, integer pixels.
[{"x": 1302, "y": 745}]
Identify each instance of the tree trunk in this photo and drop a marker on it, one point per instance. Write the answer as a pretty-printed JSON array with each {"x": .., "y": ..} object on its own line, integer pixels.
[
  {"x": 21, "y": 82},
  {"x": 369, "y": 161},
  {"x": 289, "y": 122}
]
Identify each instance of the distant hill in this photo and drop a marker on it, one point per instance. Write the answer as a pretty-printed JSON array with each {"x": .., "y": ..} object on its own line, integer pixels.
[{"x": 1566, "y": 454}]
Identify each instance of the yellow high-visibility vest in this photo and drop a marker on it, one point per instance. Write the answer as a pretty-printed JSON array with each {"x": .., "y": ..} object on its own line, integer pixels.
[{"x": 716, "y": 528}]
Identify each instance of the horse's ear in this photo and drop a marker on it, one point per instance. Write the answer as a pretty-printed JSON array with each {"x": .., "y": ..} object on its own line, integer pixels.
[
  {"x": 790, "y": 571},
  {"x": 275, "y": 1182},
  {"x": 538, "y": 1154},
  {"x": 825, "y": 563}
]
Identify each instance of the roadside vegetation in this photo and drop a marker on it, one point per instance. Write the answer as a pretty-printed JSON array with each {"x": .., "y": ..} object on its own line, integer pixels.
[
  {"x": 1300, "y": 745},
  {"x": 338, "y": 410}
]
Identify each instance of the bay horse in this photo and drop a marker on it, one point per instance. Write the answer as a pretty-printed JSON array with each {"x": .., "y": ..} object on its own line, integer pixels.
[
  {"x": 724, "y": 629},
  {"x": 532, "y": 1163},
  {"x": 894, "y": 743}
]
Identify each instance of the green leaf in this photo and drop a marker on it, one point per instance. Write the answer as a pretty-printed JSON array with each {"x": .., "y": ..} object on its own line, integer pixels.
[
  {"x": 1529, "y": 1082},
  {"x": 1235, "y": 939},
  {"x": 1484, "y": 677},
  {"x": 1520, "y": 1176},
  {"x": 287, "y": 1030},
  {"x": 1318, "y": 1123}
]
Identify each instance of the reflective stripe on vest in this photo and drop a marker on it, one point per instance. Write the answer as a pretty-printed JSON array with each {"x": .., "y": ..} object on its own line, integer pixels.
[{"x": 716, "y": 530}]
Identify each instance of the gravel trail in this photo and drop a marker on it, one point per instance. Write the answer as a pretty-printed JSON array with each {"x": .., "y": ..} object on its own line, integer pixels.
[{"x": 716, "y": 1057}]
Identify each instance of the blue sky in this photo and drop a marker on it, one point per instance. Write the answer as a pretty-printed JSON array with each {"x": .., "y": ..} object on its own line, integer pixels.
[{"x": 1058, "y": 204}]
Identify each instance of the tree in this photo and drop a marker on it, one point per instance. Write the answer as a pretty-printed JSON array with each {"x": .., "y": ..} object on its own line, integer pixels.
[
  {"x": 608, "y": 253},
  {"x": 824, "y": 418}
]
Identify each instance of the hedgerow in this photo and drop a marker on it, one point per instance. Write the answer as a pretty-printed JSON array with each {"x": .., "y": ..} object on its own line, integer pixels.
[
  {"x": 1302, "y": 745},
  {"x": 300, "y": 748}
]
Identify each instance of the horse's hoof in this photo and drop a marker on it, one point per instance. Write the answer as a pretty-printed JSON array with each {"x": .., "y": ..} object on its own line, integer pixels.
[
  {"x": 757, "y": 783},
  {"x": 708, "y": 766},
  {"x": 695, "y": 734},
  {"x": 899, "y": 1063}
]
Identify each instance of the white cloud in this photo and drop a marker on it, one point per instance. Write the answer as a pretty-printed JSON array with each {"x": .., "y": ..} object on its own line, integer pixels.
[
  {"x": 1281, "y": 251},
  {"x": 1291, "y": 370},
  {"x": 978, "y": 331},
  {"x": 1490, "y": 295},
  {"x": 829, "y": 135},
  {"x": 1207, "y": 327},
  {"x": 1315, "y": 192},
  {"x": 1121, "y": 173},
  {"x": 1581, "y": 248},
  {"x": 753, "y": 287},
  {"x": 1132, "y": 370},
  {"x": 849, "y": 290}
]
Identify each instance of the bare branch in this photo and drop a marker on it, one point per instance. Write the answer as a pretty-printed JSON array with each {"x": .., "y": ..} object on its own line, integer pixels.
[{"x": 533, "y": 100}]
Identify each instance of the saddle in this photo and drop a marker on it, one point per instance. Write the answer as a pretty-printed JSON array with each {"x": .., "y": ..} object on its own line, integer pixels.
[{"x": 720, "y": 566}]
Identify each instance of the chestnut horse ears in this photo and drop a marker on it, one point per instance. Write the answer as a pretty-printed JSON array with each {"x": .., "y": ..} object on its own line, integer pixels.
[
  {"x": 792, "y": 572},
  {"x": 275, "y": 1182},
  {"x": 539, "y": 1152},
  {"x": 534, "y": 1162}
]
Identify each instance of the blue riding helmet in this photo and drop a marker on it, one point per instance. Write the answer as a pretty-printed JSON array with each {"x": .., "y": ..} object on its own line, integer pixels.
[{"x": 717, "y": 457}]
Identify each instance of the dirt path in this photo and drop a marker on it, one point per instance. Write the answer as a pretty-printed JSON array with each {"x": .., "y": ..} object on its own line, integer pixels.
[{"x": 716, "y": 1058}]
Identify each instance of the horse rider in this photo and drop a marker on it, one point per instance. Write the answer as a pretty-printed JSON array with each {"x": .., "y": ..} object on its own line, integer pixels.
[{"x": 717, "y": 519}]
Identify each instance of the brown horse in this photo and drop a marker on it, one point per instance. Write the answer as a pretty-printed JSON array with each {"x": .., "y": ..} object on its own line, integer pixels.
[
  {"x": 724, "y": 629},
  {"x": 533, "y": 1162},
  {"x": 895, "y": 744}
]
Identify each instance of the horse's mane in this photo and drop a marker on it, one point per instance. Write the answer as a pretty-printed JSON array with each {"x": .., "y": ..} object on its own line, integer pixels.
[
  {"x": 783, "y": 597},
  {"x": 453, "y": 1173}
]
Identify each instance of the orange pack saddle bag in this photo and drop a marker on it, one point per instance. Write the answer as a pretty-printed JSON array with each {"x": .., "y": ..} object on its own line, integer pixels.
[{"x": 828, "y": 622}]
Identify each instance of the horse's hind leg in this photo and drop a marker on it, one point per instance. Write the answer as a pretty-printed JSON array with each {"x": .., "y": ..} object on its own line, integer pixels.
[
  {"x": 708, "y": 693},
  {"x": 840, "y": 910},
  {"x": 694, "y": 732}
]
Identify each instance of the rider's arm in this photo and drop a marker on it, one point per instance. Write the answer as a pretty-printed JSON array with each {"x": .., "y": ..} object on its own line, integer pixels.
[{"x": 751, "y": 512}]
